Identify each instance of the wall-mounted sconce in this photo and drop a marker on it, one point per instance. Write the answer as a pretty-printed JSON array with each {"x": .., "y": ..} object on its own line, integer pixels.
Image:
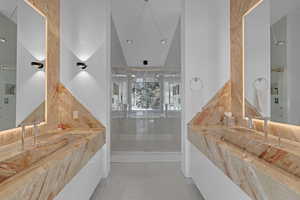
[
  {"x": 164, "y": 42},
  {"x": 261, "y": 83},
  {"x": 129, "y": 42},
  {"x": 196, "y": 84},
  {"x": 2, "y": 40},
  {"x": 37, "y": 65},
  {"x": 81, "y": 65},
  {"x": 145, "y": 62}
]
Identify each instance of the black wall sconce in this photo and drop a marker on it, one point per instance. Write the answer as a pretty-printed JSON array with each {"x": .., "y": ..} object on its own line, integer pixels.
[
  {"x": 81, "y": 65},
  {"x": 37, "y": 65},
  {"x": 145, "y": 62}
]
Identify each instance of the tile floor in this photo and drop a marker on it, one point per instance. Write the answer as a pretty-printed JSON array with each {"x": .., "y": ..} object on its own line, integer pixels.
[{"x": 146, "y": 181}]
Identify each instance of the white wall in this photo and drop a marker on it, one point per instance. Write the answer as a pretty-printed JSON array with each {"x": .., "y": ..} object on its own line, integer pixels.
[
  {"x": 31, "y": 47},
  {"x": 205, "y": 46},
  {"x": 85, "y": 37},
  {"x": 257, "y": 52},
  {"x": 293, "y": 60}
]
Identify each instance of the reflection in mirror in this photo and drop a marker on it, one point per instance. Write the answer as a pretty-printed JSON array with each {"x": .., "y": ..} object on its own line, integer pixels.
[
  {"x": 22, "y": 60},
  {"x": 272, "y": 70}
]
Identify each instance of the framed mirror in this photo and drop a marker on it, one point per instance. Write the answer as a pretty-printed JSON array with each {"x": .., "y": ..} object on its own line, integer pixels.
[
  {"x": 22, "y": 64},
  {"x": 271, "y": 60}
]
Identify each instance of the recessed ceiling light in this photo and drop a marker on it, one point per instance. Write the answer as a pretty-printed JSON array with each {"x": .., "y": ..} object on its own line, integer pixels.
[
  {"x": 163, "y": 42},
  {"x": 129, "y": 41},
  {"x": 2, "y": 39}
]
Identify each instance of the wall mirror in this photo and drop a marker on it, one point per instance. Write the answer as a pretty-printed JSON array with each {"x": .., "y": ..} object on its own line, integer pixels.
[
  {"x": 271, "y": 60},
  {"x": 22, "y": 64}
]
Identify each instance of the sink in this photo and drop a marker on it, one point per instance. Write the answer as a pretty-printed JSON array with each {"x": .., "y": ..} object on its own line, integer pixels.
[
  {"x": 262, "y": 168},
  {"x": 25, "y": 159},
  {"x": 285, "y": 156}
]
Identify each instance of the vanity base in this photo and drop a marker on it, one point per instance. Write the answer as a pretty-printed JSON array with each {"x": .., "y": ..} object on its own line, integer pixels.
[{"x": 83, "y": 185}]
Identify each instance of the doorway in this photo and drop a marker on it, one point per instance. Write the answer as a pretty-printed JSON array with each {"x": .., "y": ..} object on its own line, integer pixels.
[
  {"x": 146, "y": 113},
  {"x": 146, "y": 77}
]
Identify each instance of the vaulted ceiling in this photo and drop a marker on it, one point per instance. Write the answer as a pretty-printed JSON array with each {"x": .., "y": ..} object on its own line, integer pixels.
[{"x": 146, "y": 29}]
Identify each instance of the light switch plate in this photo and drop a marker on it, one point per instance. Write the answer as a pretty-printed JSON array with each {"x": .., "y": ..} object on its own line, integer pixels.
[{"x": 75, "y": 114}]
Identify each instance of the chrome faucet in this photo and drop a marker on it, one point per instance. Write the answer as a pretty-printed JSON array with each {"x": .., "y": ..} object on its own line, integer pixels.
[
  {"x": 266, "y": 127},
  {"x": 35, "y": 132},
  {"x": 250, "y": 122},
  {"x": 279, "y": 139}
]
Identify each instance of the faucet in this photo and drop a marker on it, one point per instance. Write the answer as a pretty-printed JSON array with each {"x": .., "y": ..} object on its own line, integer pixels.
[
  {"x": 279, "y": 140},
  {"x": 266, "y": 127},
  {"x": 35, "y": 132},
  {"x": 250, "y": 122},
  {"x": 23, "y": 133}
]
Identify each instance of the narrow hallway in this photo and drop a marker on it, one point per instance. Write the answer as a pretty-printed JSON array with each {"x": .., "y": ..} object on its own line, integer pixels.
[{"x": 146, "y": 181}]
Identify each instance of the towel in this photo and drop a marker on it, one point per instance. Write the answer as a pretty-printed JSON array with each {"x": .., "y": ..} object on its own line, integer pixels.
[{"x": 262, "y": 101}]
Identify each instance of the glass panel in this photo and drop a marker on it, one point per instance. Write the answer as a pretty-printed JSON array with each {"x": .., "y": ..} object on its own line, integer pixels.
[
  {"x": 119, "y": 95},
  {"x": 172, "y": 95}
]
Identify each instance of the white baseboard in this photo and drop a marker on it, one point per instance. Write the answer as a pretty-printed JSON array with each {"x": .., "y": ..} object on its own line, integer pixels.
[{"x": 136, "y": 157}]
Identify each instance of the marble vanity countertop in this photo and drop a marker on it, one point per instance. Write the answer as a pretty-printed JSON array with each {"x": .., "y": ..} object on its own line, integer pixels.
[
  {"x": 40, "y": 172},
  {"x": 264, "y": 169}
]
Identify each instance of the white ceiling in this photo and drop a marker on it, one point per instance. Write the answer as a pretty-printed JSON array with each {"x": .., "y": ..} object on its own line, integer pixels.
[{"x": 146, "y": 24}]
